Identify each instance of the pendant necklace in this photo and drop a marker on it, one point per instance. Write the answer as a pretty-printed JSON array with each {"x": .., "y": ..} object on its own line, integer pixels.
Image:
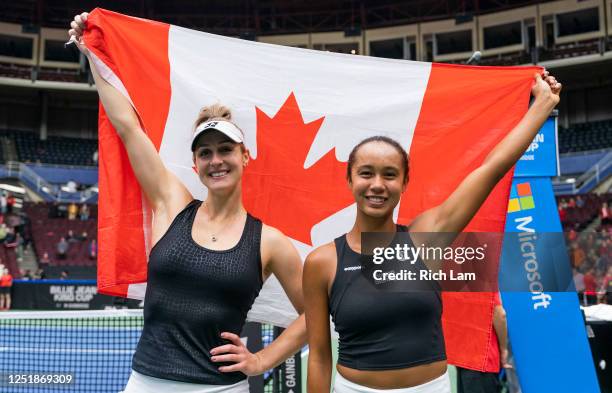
[{"x": 214, "y": 237}]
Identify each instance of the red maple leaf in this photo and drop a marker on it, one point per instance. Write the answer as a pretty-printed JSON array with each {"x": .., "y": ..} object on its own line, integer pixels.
[{"x": 277, "y": 188}]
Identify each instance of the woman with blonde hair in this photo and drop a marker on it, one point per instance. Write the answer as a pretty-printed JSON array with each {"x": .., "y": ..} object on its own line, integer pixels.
[{"x": 208, "y": 261}]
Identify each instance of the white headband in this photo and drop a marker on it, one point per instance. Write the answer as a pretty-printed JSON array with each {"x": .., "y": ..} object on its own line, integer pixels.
[{"x": 225, "y": 127}]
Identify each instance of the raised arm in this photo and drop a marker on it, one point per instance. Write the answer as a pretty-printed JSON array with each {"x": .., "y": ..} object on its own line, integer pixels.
[
  {"x": 317, "y": 277},
  {"x": 163, "y": 190},
  {"x": 461, "y": 206}
]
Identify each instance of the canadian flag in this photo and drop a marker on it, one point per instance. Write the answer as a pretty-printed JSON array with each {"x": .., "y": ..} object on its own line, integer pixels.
[{"x": 302, "y": 112}]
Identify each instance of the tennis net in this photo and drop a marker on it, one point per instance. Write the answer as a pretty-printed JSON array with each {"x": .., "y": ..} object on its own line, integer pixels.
[{"x": 67, "y": 351}]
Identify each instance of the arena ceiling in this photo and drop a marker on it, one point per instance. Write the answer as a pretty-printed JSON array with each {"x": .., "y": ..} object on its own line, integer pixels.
[{"x": 259, "y": 17}]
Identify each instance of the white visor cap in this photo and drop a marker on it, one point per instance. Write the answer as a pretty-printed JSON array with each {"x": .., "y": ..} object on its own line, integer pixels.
[{"x": 225, "y": 127}]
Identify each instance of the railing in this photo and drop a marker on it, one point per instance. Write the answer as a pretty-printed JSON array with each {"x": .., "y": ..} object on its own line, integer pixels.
[
  {"x": 33, "y": 180},
  {"x": 588, "y": 180},
  {"x": 50, "y": 192},
  {"x": 62, "y": 166}
]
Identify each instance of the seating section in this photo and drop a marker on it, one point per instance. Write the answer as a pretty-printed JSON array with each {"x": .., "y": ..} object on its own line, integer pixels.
[
  {"x": 60, "y": 75},
  {"x": 9, "y": 70},
  {"x": 15, "y": 71},
  {"x": 506, "y": 59},
  {"x": 558, "y": 51},
  {"x": 586, "y": 136},
  {"x": 55, "y": 150},
  {"x": 47, "y": 231},
  {"x": 573, "y": 49},
  {"x": 576, "y": 217},
  {"x": 76, "y": 151}
]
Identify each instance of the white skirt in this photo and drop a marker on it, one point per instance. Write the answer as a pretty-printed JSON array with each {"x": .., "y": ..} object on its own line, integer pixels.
[
  {"x": 438, "y": 385},
  {"x": 140, "y": 383}
]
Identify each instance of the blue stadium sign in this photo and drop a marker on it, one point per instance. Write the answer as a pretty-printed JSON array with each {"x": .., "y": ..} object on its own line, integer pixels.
[{"x": 541, "y": 158}]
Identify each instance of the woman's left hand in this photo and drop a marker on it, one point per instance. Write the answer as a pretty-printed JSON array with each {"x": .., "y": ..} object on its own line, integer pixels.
[{"x": 244, "y": 361}]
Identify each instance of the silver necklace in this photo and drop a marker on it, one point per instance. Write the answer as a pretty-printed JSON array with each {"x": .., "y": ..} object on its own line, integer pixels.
[{"x": 214, "y": 237}]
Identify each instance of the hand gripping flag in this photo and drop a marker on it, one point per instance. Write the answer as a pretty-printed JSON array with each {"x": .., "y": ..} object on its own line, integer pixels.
[{"x": 302, "y": 112}]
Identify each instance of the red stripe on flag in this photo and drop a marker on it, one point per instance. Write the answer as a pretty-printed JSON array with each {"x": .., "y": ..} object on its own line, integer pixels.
[
  {"x": 464, "y": 114},
  {"x": 136, "y": 50}
]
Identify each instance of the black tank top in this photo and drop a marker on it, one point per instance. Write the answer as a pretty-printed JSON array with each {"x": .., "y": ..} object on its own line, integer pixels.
[
  {"x": 193, "y": 294},
  {"x": 382, "y": 330}
]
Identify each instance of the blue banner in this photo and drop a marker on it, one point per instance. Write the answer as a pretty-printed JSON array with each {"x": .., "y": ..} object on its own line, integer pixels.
[
  {"x": 541, "y": 158},
  {"x": 540, "y": 257},
  {"x": 546, "y": 329}
]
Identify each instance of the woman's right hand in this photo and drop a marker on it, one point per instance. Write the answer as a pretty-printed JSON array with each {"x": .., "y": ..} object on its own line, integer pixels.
[
  {"x": 77, "y": 27},
  {"x": 546, "y": 88}
]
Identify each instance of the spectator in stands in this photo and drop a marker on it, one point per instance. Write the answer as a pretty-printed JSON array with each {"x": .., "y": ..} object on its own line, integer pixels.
[
  {"x": 12, "y": 239},
  {"x": 578, "y": 255},
  {"x": 590, "y": 287},
  {"x": 604, "y": 214},
  {"x": 44, "y": 260},
  {"x": 579, "y": 202},
  {"x": 562, "y": 214},
  {"x": 10, "y": 203},
  {"x": 3, "y": 207},
  {"x": 71, "y": 237},
  {"x": 21, "y": 220},
  {"x": 62, "y": 248},
  {"x": 62, "y": 211},
  {"x": 84, "y": 212},
  {"x": 563, "y": 204},
  {"x": 27, "y": 238},
  {"x": 6, "y": 282},
  {"x": 13, "y": 220},
  {"x": 40, "y": 274},
  {"x": 601, "y": 263},
  {"x": 72, "y": 211},
  {"x": 92, "y": 249},
  {"x": 63, "y": 275},
  {"x": 26, "y": 274},
  {"x": 571, "y": 203},
  {"x": 83, "y": 237}
]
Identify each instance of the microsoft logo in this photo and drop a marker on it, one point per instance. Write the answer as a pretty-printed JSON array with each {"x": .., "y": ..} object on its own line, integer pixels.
[{"x": 521, "y": 198}]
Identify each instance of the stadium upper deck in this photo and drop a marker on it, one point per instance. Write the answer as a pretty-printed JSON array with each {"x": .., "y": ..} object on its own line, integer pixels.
[
  {"x": 553, "y": 33},
  {"x": 46, "y": 90}
]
